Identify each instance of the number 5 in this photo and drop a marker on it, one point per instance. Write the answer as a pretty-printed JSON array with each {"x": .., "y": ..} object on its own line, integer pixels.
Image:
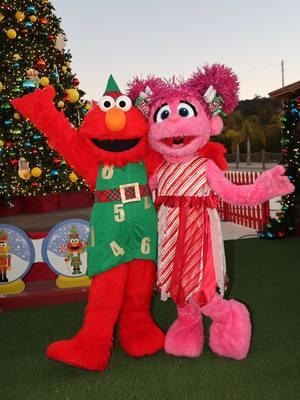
[{"x": 119, "y": 213}]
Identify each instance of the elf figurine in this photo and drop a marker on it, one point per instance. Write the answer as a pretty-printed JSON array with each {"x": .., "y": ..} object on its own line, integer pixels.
[
  {"x": 75, "y": 248},
  {"x": 109, "y": 152},
  {"x": 5, "y": 258}
]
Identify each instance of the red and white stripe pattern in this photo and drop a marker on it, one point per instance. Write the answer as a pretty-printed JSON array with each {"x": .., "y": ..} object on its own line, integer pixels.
[
  {"x": 186, "y": 179},
  {"x": 182, "y": 230}
]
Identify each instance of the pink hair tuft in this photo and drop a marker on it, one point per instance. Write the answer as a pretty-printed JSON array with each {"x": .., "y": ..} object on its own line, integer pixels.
[{"x": 222, "y": 78}]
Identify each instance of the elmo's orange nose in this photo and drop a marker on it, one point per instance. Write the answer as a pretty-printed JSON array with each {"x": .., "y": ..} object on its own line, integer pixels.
[{"x": 115, "y": 119}]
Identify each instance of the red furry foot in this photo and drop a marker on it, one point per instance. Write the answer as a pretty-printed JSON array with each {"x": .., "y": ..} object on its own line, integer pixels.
[
  {"x": 81, "y": 353},
  {"x": 138, "y": 334},
  {"x": 142, "y": 337}
]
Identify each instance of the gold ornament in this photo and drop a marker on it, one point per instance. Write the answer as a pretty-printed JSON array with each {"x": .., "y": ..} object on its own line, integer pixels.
[
  {"x": 68, "y": 63},
  {"x": 72, "y": 95},
  {"x": 73, "y": 177},
  {"x": 11, "y": 34},
  {"x": 20, "y": 16},
  {"x": 17, "y": 57},
  {"x": 33, "y": 18},
  {"x": 44, "y": 81},
  {"x": 64, "y": 68},
  {"x": 88, "y": 106},
  {"x": 36, "y": 172},
  {"x": 61, "y": 104},
  {"x": 1, "y": 17},
  {"x": 2, "y": 143},
  {"x": 1, "y": 87},
  {"x": 17, "y": 116}
]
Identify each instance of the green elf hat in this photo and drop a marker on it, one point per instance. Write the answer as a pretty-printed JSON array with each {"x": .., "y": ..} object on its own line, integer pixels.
[
  {"x": 112, "y": 87},
  {"x": 73, "y": 233}
]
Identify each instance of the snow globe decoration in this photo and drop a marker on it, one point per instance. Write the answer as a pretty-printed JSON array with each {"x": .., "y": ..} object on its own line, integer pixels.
[
  {"x": 16, "y": 258},
  {"x": 65, "y": 252}
]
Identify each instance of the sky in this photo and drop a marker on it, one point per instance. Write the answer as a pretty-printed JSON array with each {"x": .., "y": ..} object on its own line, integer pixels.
[{"x": 165, "y": 38}]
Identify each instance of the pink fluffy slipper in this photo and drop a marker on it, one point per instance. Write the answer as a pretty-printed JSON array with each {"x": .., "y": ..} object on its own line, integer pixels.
[
  {"x": 185, "y": 336},
  {"x": 230, "y": 331}
]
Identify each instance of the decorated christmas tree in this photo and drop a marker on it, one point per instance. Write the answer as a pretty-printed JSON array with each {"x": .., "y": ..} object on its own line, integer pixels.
[
  {"x": 286, "y": 219},
  {"x": 32, "y": 56}
]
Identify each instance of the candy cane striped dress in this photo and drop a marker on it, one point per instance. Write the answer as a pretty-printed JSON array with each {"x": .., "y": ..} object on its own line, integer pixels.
[{"x": 185, "y": 263}]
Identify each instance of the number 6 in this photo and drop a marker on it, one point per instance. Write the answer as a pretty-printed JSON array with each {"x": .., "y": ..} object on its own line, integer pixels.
[{"x": 145, "y": 245}]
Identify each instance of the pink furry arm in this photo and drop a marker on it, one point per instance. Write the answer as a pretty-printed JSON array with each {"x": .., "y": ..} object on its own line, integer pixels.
[
  {"x": 152, "y": 182},
  {"x": 269, "y": 184},
  {"x": 75, "y": 148}
]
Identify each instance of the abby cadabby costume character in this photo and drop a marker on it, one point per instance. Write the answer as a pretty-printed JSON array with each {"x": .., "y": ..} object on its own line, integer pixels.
[
  {"x": 191, "y": 262},
  {"x": 110, "y": 151}
]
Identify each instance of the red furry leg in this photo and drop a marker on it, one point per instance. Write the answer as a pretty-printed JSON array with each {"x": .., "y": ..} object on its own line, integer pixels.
[
  {"x": 138, "y": 334},
  {"x": 91, "y": 346}
]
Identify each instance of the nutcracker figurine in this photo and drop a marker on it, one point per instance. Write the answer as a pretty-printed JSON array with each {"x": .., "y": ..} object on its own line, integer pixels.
[
  {"x": 5, "y": 258},
  {"x": 75, "y": 248}
]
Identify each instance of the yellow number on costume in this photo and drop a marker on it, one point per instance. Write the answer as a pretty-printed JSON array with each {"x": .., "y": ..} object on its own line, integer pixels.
[
  {"x": 145, "y": 246},
  {"x": 107, "y": 172},
  {"x": 119, "y": 213},
  {"x": 116, "y": 249},
  {"x": 147, "y": 204},
  {"x": 92, "y": 233}
]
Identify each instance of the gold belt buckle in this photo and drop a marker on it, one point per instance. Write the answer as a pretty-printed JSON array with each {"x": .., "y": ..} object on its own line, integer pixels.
[{"x": 136, "y": 192}]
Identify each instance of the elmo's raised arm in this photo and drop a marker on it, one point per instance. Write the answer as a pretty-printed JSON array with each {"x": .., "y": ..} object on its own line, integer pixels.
[{"x": 74, "y": 147}]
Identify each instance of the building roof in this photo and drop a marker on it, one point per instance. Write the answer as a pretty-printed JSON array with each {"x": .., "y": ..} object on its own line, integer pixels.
[{"x": 288, "y": 91}]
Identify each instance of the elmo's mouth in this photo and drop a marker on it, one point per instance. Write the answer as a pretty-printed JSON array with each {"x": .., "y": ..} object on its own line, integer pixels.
[
  {"x": 116, "y": 145},
  {"x": 75, "y": 247},
  {"x": 176, "y": 142}
]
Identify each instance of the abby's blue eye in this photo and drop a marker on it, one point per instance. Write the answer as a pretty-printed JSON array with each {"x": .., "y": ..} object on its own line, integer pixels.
[
  {"x": 162, "y": 113},
  {"x": 186, "y": 109}
]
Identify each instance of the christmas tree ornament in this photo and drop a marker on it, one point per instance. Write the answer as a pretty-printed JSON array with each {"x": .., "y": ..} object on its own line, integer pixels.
[
  {"x": 24, "y": 170},
  {"x": 31, "y": 10},
  {"x": 5, "y": 106},
  {"x": 40, "y": 64},
  {"x": 33, "y": 75},
  {"x": 1, "y": 87},
  {"x": 28, "y": 24},
  {"x": 16, "y": 131},
  {"x": 17, "y": 57},
  {"x": 20, "y": 16},
  {"x": 33, "y": 18},
  {"x": 8, "y": 122},
  {"x": 27, "y": 145},
  {"x": 75, "y": 82},
  {"x": 54, "y": 173},
  {"x": 43, "y": 21},
  {"x": 44, "y": 81},
  {"x": 64, "y": 68},
  {"x": 73, "y": 177},
  {"x": 1, "y": 17},
  {"x": 2, "y": 143},
  {"x": 61, "y": 104},
  {"x": 28, "y": 86},
  {"x": 17, "y": 116},
  {"x": 36, "y": 137},
  {"x": 36, "y": 172},
  {"x": 11, "y": 34},
  {"x": 71, "y": 95},
  {"x": 16, "y": 90},
  {"x": 88, "y": 106}
]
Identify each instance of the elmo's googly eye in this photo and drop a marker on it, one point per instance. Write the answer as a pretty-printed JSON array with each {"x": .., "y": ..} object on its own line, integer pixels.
[
  {"x": 106, "y": 103},
  {"x": 124, "y": 103},
  {"x": 2, "y": 245},
  {"x": 162, "y": 113},
  {"x": 186, "y": 110}
]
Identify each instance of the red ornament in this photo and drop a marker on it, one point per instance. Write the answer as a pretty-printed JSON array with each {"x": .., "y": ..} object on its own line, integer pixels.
[
  {"x": 14, "y": 162},
  {"x": 35, "y": 184},
  {"x": 40, "y": 64},
  {"x": 34, "y": 151},
  {"x": 75, "y": 82},
  {"x": 8, "y": 145},
  {"x": 51, "y": 37},
  {"x": 24, "y": 31},
  {"x": 43, "y": 21},
  {"x": 281, "y": 234},
  {"x": 56, "y": 160}
]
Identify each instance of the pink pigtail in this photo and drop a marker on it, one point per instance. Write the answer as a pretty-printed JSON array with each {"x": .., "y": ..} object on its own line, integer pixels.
[{"x": 224, "y": 81}]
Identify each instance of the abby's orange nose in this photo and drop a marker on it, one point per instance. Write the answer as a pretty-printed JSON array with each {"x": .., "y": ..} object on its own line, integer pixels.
[{"x": 115, "y": 119}]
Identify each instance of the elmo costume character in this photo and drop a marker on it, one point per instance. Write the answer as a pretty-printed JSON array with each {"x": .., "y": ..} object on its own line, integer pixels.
[{"x": 109, "y": 152}]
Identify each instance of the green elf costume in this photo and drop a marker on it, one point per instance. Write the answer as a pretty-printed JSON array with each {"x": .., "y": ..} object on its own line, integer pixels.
[{"x": 110, "y": 151}]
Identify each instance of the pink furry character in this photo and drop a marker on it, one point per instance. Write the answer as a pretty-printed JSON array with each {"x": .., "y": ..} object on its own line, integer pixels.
[{"x": 191, "y": 262}]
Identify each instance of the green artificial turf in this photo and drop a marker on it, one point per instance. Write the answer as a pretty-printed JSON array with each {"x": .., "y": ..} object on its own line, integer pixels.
[{"x": 264, "y": 275}]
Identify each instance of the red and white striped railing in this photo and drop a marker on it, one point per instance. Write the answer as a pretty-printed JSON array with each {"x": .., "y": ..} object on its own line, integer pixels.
[{"x": 255, "y": 217}]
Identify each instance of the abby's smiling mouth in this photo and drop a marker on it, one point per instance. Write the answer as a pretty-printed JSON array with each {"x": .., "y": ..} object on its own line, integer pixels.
[
  {"x": 177, "y": 142},
  {"x": 116, "y": 145}
]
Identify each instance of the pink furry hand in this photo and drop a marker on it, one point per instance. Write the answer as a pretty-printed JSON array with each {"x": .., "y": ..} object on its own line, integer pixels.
[{"x": 274, "y": 183}]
